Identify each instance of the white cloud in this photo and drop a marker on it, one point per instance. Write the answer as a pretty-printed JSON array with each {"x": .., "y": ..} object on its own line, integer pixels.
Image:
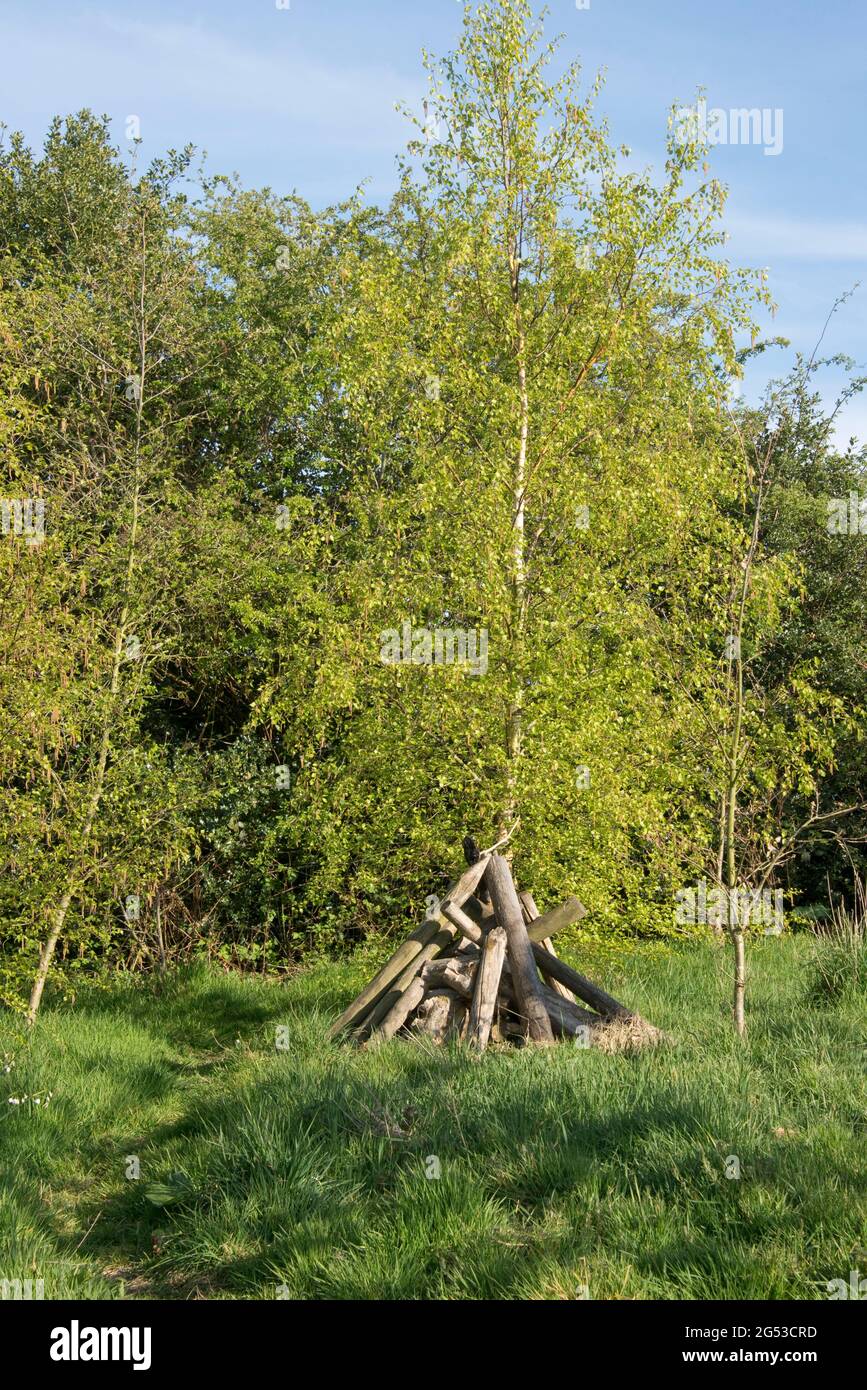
[{"x": 117, "y": 64}]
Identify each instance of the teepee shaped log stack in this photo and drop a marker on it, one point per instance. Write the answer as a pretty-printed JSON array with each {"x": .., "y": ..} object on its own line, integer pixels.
[{"x": 482, "y": 966}]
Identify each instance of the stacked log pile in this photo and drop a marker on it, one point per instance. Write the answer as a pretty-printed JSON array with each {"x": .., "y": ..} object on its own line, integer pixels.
[{"x": 482, "y": 967}]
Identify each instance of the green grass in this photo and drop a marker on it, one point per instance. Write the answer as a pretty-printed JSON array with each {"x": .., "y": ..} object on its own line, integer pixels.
[{"x": 305, "y": 1170}]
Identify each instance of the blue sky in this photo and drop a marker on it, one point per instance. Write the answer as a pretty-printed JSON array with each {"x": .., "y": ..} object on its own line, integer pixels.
[{"x": 303, "y": 98}]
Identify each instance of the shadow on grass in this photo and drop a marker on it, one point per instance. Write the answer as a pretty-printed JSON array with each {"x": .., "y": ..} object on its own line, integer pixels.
[
  {"x": 313, "y": 1165},
  {"x": 188, "y": 1008}
]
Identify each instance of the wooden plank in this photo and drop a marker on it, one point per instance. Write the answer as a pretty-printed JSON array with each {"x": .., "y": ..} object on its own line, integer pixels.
[{"x": 525, "y": 981}]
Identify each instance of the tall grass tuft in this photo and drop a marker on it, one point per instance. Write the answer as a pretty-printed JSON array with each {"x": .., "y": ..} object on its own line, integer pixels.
[{"x": 840, "y": 960}]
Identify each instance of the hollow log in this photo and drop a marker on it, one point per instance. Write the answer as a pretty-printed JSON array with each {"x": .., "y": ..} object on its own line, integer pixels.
[{"x": 525, "y": 981}]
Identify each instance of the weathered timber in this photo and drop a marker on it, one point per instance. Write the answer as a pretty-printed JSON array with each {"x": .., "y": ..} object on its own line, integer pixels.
[
  {"x": 458, "y": 918},
  {"x": 406, "y": 952},
  {"x": 472, "y": 855},
  {"x": 488, "y": 973},
  {"x": 528, "y": 906},
  {"x": 525, "y": 981},
  {"x": 531, "y": 914},
  {"x": 467, "y": 883},
  {"x": 355, "y": 1015},
  {"x": 551, "y": 922},
  {"x": 455, "y": 974},
  {"x": 580, "y": 986},
  {"x": 443, "y": 938},
  {"x": 568, "y": 1018},
  {"x": 401, "y": 1009},
  {"x": 441, "y": 1015},
  {"x": 480, "y": 912}
]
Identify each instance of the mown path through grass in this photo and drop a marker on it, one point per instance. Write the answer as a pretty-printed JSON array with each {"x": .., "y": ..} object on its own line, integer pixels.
[{"x": 320, "y": 1172}]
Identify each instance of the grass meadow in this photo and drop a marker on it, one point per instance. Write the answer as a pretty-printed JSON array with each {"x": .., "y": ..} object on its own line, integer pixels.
[{"x": 278, "y": 1164}]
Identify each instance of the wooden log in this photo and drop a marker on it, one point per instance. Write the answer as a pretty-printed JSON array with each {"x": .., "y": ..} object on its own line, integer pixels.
[
  {"x": 526, "y": 983},
  {"x": 531, "y": 914},
  {"x": 401, "y": 1009},
  {"x": 488, "y": 973},
  {"x": 608, "y": 1034},
  {"x": 444, "y": 937},
  {"x": 454, "y": 974},
  {"x": 551, "y": 966},
  {"x": 406, "y": 952},
  {"x": 549, "y": 979},
  {"x": 468, "y": 928},
  {"x": 528, "y": 906},
  {"x": 440, "y": 1015},
  {"x": 356, "y": 1014},
  {"x": 472, "y": 856},
  {"x": 551, "y": 922},
  {"x": 472, "y": 924},
  {"x": 580, "y": 986},
  {"x": 567, "y": 1018},
  {"x": 480, "y": 912},
  {"x": 467, "y": 883}
]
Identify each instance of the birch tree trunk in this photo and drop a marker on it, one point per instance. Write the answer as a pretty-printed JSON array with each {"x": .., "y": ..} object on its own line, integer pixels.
[{"x": 733, "y": 771}]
